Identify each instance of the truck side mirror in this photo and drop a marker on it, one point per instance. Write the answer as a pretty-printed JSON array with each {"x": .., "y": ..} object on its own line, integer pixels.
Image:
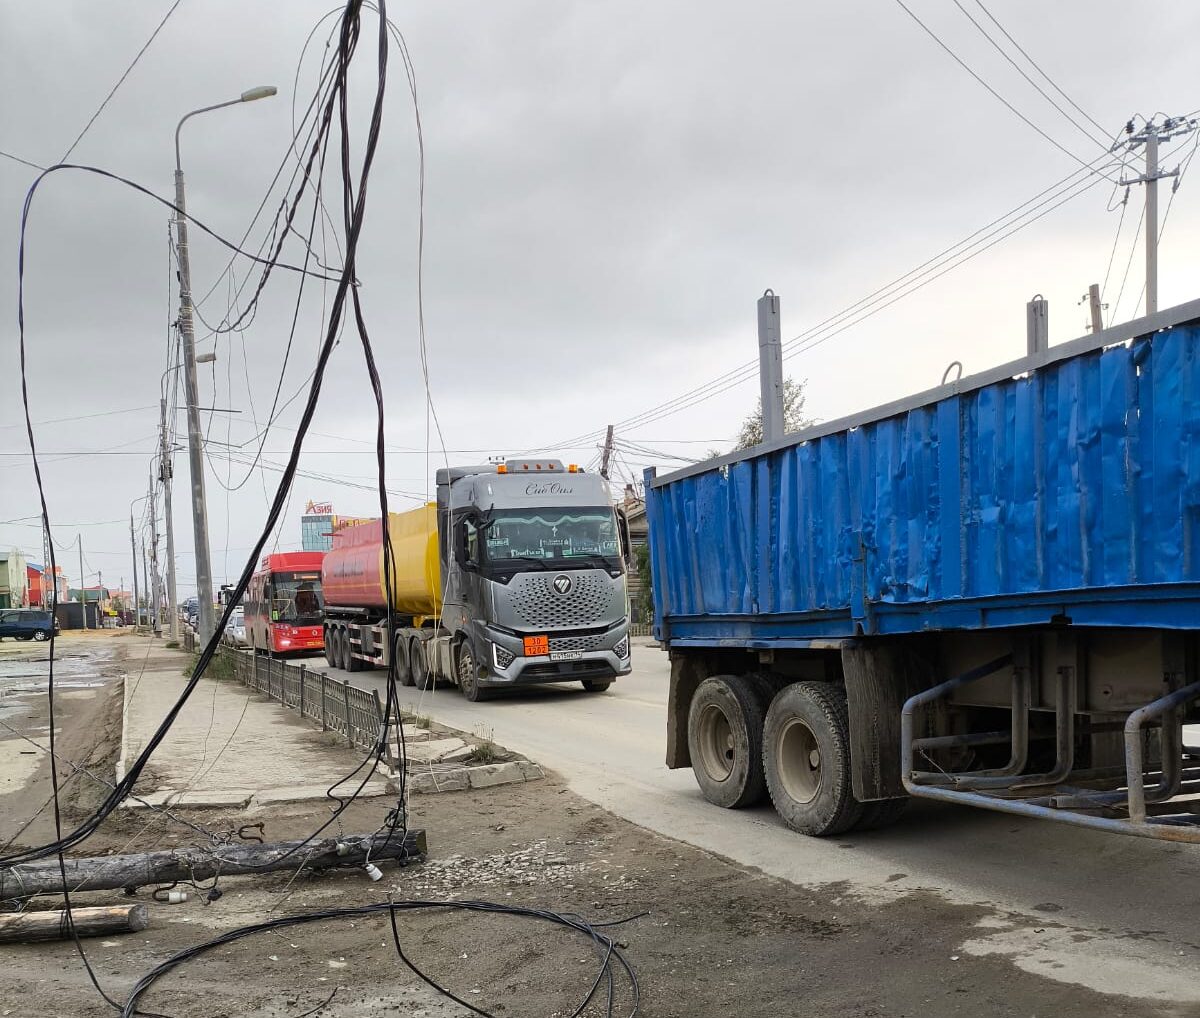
[{"x": 626, "y": 547}]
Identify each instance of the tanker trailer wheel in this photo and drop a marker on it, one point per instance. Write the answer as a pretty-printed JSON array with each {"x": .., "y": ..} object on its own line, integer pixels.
[
  {"x": 468, "y": 673},
  {"x": 418, "y": 663},
  {"x": 725, "y": 725},
  {"x": 806, "y": 759},
  {"x": 333, "y": 648},
  {"x": 881, "y": 813},
  {"x": 352, "y": 664},
  {"x": 400, "y": 655}
]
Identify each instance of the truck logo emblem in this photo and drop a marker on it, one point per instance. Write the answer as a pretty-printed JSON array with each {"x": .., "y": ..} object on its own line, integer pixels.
[{"x": 562, "y": 584}]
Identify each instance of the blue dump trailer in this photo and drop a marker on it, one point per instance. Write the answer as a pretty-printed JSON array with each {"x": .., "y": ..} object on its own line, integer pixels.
[{"x": 987, "y": 593}]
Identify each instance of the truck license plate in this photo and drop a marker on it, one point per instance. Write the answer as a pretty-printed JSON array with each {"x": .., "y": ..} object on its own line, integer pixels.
[{"x": 566, "y": 655}]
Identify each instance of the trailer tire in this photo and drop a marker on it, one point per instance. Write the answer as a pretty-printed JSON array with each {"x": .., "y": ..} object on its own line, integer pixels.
[
  {"x": 468, "y": 673},
  {"x": 333, "y": 648},
  {"x": 806, "y": 759},
  {"x": 418, "y": 662},
  {"x": 881, "y": 813},
  {"x": 725, "y": 726},
  {"x": 400, "y": 655},
  {"x": 352, "y": 664}
]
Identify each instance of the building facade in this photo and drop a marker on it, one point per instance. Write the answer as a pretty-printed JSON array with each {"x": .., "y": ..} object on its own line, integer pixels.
[
  {"x": 319, "y": 523},
  {"x": 14, "y": 580}
]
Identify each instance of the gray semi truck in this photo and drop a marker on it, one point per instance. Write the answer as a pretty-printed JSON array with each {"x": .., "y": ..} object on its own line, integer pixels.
[{"x": 516, "y": 575}]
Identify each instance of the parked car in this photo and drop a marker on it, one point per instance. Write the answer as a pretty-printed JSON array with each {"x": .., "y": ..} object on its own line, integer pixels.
[
  {"x": 235, "y": 629},
  {"x": 27, "y": 624}
]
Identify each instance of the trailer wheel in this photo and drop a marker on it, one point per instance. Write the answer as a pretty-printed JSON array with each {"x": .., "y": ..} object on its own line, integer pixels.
[
  {"x": 352, "y": 664},
  {"x": 400, "y": 655},
  {"x": 418, "y": 662},
  {"x": 725, "y": 725},
  {"x": 468, "y": 674},
  {"x": 333, "y": 648},
  {"x": 881, "y": 813},
  {"x": 806, "y": 759}
]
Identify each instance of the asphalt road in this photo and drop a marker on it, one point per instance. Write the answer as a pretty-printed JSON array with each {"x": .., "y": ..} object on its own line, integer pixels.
[{"x": 1114, "y": 913}]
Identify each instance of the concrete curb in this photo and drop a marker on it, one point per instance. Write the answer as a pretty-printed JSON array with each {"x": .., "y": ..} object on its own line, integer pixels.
[{"x": 458, "y": 779}]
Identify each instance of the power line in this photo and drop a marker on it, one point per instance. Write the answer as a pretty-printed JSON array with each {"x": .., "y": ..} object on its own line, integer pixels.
[
  {"x": 1107, "y": 139},
  {"x": 966, "y": 67},
  {"x": 1053, "y": 84},
  {"x": 120, "y": 81}
]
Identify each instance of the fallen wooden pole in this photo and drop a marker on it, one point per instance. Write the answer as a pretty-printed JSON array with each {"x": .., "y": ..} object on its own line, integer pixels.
[
  {"x": 23, "y": 927},
  {"x": 103, "y": 873}
]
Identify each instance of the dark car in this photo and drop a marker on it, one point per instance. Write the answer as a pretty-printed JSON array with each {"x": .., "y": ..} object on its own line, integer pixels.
[{"x": 27, "y": 624}]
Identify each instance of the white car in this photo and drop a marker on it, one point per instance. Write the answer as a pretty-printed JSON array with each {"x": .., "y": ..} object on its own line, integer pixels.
[{"x": 235, "y": 629}]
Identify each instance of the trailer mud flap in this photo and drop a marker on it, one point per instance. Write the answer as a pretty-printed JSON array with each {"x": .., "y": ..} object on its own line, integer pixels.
[{"x": 880, "y": 676}]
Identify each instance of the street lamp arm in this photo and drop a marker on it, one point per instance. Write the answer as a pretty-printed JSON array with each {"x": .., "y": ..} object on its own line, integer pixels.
[{"x": 249, "y": 95}]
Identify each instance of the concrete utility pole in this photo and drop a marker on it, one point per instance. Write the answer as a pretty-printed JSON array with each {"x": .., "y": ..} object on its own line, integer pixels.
[
  {"x": 1151, "y": 136},
  {"x": 133, "y": 547},
  {"x": 1093, "y": 299},
  {"x": 156, "y": 622},
  {"x": 770, "y": 366},
  {"x": 204, "y": 591},
  {"x": 1037, "y": 325},
  {"x": 146, "y": 584},
  {"x": 165, "y": 472},
  {"x": 82, "y": 583},
  {"x": 608, "y": 448}
]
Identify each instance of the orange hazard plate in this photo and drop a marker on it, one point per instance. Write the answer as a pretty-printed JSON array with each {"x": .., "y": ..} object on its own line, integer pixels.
[{"x": 537, "y": 645}]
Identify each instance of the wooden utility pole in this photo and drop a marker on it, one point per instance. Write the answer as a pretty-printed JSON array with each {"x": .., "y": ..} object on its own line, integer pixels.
[
  {"x": 24, "y": 927},
  {"x": 105, "y": 873}
]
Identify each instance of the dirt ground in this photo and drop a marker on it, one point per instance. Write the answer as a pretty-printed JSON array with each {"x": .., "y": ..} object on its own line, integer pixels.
[{"x": 718, "y": 938}]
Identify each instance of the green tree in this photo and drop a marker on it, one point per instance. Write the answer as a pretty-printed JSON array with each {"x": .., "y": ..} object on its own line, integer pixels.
[{"x": 794, "y": 417}]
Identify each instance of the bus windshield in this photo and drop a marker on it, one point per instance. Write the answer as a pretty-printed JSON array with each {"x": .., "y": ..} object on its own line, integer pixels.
[
  {"x": 296, "y": 599},
  {"x": 551, "y": 535}
]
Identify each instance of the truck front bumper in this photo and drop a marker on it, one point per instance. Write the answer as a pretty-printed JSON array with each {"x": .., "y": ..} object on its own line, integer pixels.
[{"x": 507, "y": 666}]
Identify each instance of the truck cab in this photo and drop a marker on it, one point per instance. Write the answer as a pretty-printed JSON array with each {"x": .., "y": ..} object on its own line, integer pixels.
[{"x": 533, "y": 576}]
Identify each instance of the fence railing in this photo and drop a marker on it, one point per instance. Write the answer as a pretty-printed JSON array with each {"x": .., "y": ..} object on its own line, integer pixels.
[{"x": 335, "y": 704}]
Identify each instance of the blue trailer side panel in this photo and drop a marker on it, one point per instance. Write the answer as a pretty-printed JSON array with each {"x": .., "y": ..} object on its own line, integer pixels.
[{"x": 1073, "y": 490}]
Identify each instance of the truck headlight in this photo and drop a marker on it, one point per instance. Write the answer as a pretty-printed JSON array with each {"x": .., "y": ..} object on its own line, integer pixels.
[
  {"x": 502, "y": 657},
  {"x": 622, "y": 648}
]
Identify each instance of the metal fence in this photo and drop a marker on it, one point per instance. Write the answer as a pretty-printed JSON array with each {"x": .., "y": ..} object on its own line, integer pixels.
[{"x": 338, "y": 706}]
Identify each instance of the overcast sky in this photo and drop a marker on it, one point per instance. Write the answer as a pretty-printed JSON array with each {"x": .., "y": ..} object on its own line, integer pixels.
[{"x": 609, "y": 189}]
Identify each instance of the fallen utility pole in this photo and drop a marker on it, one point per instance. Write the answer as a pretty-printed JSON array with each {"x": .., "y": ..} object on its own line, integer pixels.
[
  {"x": 23, "y": 927},
  {"x": 105, "y": 873}
]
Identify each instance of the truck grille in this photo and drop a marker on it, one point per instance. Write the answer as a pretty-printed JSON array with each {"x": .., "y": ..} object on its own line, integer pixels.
[
  {"x": 539, "y": 606},
  {"x": 571, "y": 643}
]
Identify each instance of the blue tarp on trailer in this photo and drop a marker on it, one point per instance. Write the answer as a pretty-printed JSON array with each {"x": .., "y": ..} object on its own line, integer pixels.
[{"x": 1070, "y": 492}]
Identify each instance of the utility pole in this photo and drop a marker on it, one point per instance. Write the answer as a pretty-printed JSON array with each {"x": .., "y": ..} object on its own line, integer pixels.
[
  {"x": 204, "y": 591},
  {"x": 1151, "y": 136},
  {"x": 165, "y": 472},
  {"x": 82, "y": 583},
  {"x": 607, "y": 455},
  {"x": 770, "y": 366},
  {"x": 1037, "y": 325},
  {"x": 156, "y": 624},
  {"x": 133, "y": 548},
  {"x": 1093, "y": 299},
  {"x": 146, "y": 583}
]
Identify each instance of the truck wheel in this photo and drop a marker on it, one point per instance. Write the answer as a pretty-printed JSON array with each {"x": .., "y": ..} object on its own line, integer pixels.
[
  {"x": 333, "y": 648},
  {"x": 353, "y": 664},
  {"x": 403, "y": 671},
  {"x": 881, "y": 813},
  {"x": 806, "y": 759},
  {"x": 725, "y": 725},
  {"x": 418, "y": 662},
  {"x": 468, "y": 674}
]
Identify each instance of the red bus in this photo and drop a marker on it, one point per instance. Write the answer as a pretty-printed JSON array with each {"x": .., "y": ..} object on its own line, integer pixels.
[{"x": 284, "y": 609}]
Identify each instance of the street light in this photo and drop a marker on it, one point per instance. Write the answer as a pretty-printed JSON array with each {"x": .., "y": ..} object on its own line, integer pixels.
[{"x": 188, "y": 337}]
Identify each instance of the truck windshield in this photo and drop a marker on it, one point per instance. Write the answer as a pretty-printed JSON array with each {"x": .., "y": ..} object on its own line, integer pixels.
[
  {"x": 296, "y": 598},
  {"x": 550, "y": 535}
]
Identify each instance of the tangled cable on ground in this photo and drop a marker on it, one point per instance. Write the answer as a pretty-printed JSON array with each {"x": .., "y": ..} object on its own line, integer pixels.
[{"x": 612, "y": 959}]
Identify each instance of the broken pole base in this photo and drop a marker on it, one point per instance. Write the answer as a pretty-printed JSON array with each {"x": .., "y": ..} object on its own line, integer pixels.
[{"x": 25, "y": 927}]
